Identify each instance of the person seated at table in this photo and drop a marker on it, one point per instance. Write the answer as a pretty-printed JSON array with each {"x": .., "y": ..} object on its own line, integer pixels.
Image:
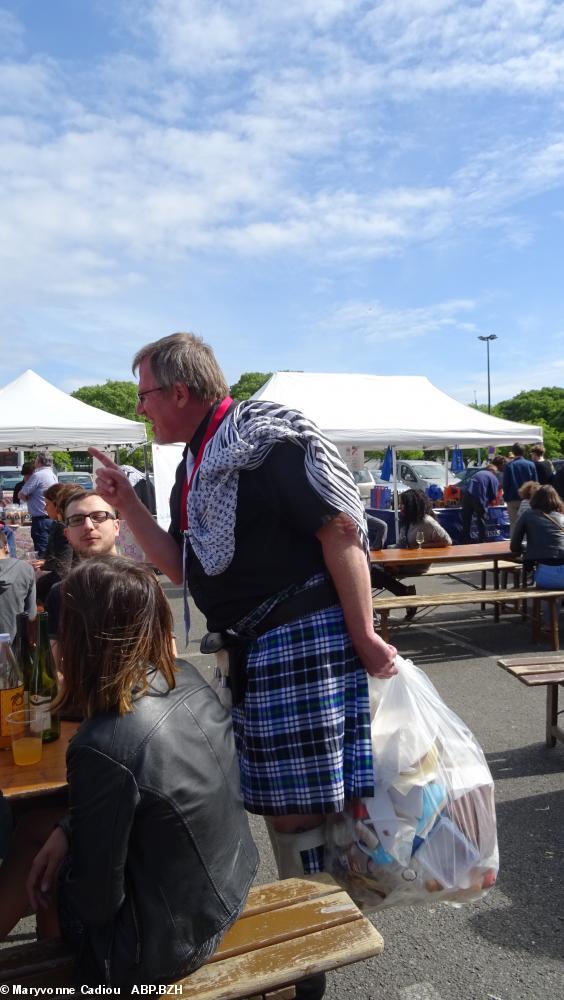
[
  {"x": 154, "y": 858},
  {"x": 417, "y": 518},
  {"x": 526, "y": 491},
  {"x": 58, "y": 554},
  {"x": 539, "y": 536},
  {"x": 17, "y": 589}
]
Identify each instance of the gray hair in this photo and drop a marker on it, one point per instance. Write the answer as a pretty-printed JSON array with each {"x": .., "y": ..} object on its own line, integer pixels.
[
  {"x": 185, "y": 358},
  {"x": 43, "y": 458}
]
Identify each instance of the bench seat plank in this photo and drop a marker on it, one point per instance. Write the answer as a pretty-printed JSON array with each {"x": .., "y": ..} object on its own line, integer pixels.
[
  {"x": 284, "y": 963},
  {"x": 262, "y": 929},
  {"x": 465, "y": 597},
  {"x": 544, "y": 669},
  {"x": 291, "y": 890}
]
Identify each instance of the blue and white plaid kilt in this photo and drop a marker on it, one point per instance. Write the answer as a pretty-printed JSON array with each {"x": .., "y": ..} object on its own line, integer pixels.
[{"x": 303, "y": 729}]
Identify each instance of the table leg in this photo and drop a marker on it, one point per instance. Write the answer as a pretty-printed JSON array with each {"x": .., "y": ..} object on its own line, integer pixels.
[
  {"x": 384, "y": 630},
  {"x": 551, "y": 714},
  {"x": 496, "y": 587},
  {"x": 553, "y": 602}
]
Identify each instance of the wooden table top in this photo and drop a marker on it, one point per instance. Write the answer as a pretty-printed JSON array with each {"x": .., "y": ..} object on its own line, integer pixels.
[
  {"x": 447, "y": 553},
  {"x": 535, "y": 669},
  {"x": 49, "y": 775}
]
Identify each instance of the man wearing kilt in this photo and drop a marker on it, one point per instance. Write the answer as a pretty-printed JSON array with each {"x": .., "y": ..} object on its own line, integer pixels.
[{"x": 268, "y": 534}]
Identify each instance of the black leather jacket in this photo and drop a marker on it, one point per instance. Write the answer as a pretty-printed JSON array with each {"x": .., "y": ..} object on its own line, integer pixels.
[{"x": 161, "y": 855}]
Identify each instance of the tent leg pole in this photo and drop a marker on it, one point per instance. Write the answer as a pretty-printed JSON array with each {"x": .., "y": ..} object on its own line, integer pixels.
[
  {"x": 395, "y": 497},
  {"x": 446, "y": 467}
]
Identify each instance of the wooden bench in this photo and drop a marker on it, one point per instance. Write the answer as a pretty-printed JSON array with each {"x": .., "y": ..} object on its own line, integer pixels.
[
  {"x": 547, "y": 669},
  {"x": 504, "y": 567},
  {"x": 289, "y": 930},
  {"x": 384, "y": 605}
]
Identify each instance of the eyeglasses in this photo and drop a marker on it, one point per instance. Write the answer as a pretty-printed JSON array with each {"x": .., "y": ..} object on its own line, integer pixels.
[
  {"x": 96, "y": 516},
  {"x": 147, "y": 392}
]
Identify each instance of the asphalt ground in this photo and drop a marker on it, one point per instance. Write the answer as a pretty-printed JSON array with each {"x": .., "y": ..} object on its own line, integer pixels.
[{"x": 510, "y": 945}]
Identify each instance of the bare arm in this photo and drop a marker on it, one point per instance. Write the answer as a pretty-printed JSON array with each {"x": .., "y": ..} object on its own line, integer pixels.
[
  {"x": 160, "y": 548},
  {"x": 348, "y": 568}
]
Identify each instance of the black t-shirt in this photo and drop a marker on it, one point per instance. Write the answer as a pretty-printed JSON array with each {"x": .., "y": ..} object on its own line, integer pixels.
[
  {"x": 53, "y": 609},
  {"x": 278, "y": 515},
  {"x": 545, "y": 471}
]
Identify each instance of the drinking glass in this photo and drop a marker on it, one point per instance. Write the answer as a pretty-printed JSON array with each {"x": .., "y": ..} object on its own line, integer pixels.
[
  {"x": 27, "y": 746},
  {"x": 419, "y": 538}
]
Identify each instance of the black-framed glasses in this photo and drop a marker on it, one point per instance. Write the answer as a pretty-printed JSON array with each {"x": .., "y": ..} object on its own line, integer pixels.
[
  {"x": 96, "y": 516},
  {"x": 147, "y": 392}
]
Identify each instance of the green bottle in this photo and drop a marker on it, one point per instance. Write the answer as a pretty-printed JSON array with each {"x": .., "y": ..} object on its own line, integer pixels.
[
  {"x": 43, "y": 686},
  {"x": 23, "y": 651}
]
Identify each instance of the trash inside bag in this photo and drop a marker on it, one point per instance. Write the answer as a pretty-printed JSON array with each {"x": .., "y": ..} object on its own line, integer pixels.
[{"x": 429, "y": 832}]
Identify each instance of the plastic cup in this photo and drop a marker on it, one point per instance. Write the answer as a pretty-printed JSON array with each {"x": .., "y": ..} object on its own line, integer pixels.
[{"x": 27, "y": 746}]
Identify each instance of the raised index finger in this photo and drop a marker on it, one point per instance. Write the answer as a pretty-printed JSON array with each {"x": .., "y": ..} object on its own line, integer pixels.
[{"x": 102, "y": 458}]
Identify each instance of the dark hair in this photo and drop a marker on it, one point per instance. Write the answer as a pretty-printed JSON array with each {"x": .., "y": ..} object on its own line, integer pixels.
[
  {"x": 518, "y": 449},
  {"x": 415, "y": 505},
  {"x": 27, "y": 468},
  {"x": 500, "y": 461},
  {"x": 116, "y": 626},
  {"x": 537, "y": 449},
  {"x": 61, "y": 494},
  {"x": 547, "y": 499},
  {"x": 187, "y": 359}
]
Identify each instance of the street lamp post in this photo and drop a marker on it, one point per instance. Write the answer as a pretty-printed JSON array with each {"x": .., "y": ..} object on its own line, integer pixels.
[{"x": 492, "y": 336}]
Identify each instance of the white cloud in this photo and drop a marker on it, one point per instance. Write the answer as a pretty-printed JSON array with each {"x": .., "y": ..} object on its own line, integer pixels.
[{"x": 375, "y": 323}]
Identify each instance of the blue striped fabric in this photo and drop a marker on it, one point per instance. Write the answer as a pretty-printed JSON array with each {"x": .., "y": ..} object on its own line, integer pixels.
[{"x": 303, "y": 729}]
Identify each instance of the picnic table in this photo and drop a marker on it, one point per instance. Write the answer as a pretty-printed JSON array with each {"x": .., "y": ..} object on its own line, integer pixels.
[
  {"x": 448, "y": 560},
  {"x": 46, "y": 777}
]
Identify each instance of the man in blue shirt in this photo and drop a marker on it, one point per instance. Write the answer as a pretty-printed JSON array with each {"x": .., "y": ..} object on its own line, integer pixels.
[
  {"x": 481, "y": 490},
  {"x": 517, "y": 472},
  {"x": 32, "y": 493}
]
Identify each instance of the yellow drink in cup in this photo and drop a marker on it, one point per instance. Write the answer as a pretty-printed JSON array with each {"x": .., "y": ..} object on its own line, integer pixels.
[{"x": 27, "y": 746}]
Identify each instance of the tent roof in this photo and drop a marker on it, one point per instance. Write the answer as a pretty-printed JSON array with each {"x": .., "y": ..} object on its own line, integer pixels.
[
  {"x": 375, "y": 411},
  {"x": 35, "y": 414}
]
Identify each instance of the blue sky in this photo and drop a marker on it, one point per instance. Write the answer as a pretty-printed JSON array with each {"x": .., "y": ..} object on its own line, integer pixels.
[{"x": 323, "y": 185}]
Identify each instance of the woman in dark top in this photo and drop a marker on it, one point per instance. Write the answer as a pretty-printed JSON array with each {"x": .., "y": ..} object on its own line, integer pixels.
[
  {"x": 153, "y": 859},
  {"x": 539, "y": 535}
]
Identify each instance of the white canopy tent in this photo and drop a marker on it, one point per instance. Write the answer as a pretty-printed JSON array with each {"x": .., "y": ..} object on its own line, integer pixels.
[
  {"x": 35, "y": 414},
  {"x": 405, "y": 411},
  {"x": 372, "y": 412}
]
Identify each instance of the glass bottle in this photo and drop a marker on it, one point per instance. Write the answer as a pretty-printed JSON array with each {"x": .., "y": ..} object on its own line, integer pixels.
[
  {"x": 23, "y": 651},
  {"x": 11, "y": 688},
  {"x": 43, "y": 686}
]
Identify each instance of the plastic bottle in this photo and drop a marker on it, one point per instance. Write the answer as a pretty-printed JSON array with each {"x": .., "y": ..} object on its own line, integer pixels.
[
  {"x": 22, "y": 650},
  {"x": 11, "y": 688},
  {"x": 43, "y": 686}
]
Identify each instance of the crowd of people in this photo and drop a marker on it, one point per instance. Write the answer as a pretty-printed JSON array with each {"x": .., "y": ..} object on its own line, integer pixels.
[{"x": 157, "y": 758}]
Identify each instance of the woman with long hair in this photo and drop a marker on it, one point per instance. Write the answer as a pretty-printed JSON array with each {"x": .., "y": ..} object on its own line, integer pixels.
[
  {"x": 538, "y": 535},
  {"x": 416, "y": 515},
  {"x": 153, "y": 859}
]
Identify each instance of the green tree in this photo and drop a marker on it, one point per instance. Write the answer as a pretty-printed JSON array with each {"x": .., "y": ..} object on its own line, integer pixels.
[
  {"x": 248, "y": 384},
  {"x": 119, "y": 398}
]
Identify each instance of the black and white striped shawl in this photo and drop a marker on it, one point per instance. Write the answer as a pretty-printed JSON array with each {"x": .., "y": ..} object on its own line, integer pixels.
[{"x": 243, "y": 441}]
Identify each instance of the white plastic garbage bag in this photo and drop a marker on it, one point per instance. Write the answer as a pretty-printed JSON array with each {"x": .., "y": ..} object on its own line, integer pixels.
[{"x": 429, "y": 832}]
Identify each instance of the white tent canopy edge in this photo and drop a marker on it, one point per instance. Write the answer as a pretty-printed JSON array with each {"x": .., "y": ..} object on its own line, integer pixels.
[
  {"x": 405, "y": 411},
  {"x": 35, "y": 414}
]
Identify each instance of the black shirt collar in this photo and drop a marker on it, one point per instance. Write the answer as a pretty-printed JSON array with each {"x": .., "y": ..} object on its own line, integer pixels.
[{"x": 198, "y": 435}]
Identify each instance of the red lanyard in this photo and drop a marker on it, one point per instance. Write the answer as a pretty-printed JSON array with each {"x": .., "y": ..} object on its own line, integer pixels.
[{"x": 210, "y": 431}]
